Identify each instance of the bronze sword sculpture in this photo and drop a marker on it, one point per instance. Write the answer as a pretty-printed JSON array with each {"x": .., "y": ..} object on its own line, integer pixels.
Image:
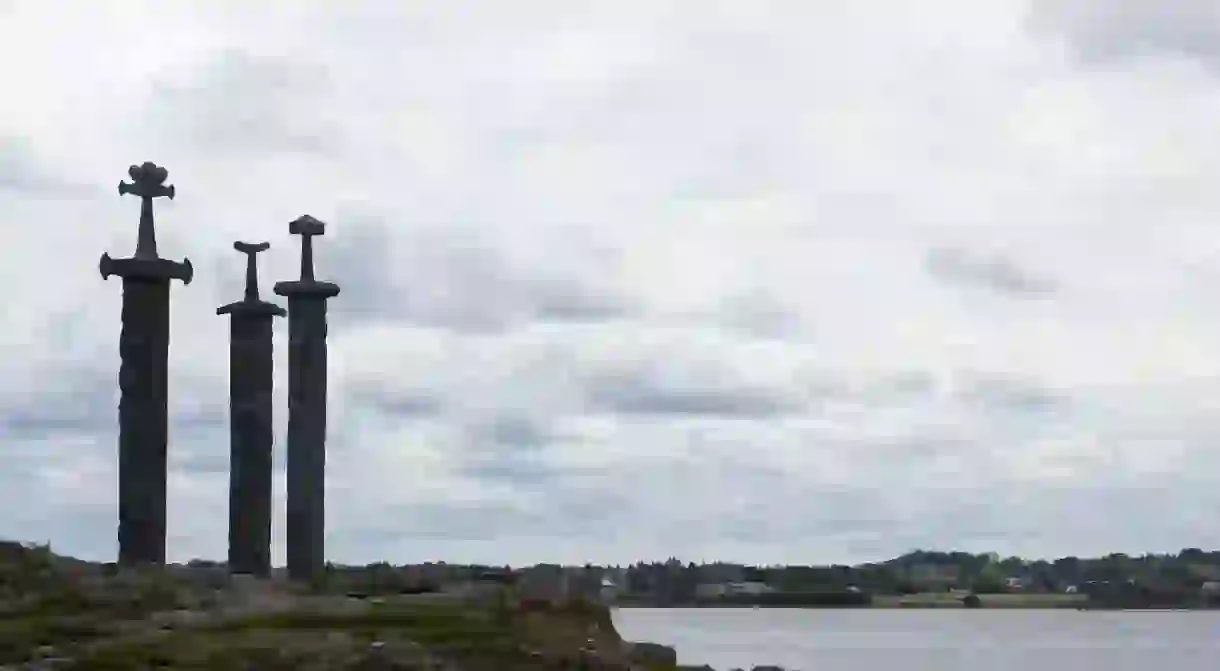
[{"x": 144, "y": 350}]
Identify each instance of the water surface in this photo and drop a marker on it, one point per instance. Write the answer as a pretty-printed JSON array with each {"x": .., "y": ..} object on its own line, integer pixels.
[{"x": 940, "y": 640}]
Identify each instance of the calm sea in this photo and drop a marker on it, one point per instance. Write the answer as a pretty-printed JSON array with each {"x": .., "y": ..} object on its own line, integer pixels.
[{"x": 940, "y": 640}]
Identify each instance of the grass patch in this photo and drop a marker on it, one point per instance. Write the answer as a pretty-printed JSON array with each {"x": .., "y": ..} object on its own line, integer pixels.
[
  {"x": 19, "y": 637},
  {"x": 442, "y": 627},
  {"x": 304, "y": 640},
  {"x": 194, "y": 650}
]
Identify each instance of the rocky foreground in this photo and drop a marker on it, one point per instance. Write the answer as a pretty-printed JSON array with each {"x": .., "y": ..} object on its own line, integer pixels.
[{"x": 59, "y": 613}]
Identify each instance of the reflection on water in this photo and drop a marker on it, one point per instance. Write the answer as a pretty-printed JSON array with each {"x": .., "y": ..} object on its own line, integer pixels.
[{"x": 940, "y": 640}]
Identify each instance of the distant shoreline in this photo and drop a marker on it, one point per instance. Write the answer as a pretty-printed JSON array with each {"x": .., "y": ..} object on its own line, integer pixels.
[
  {"x": 644, "y": 606},
  {"x": 939, "y": 601},
  {"x": 641, "y": 606}
]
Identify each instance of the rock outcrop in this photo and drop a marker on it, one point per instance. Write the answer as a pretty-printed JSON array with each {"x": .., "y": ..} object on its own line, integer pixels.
[{"x": 651, "y": 655}]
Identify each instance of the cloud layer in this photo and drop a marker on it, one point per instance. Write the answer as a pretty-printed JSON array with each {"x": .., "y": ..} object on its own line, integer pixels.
[{"x": 788, "y": 281}]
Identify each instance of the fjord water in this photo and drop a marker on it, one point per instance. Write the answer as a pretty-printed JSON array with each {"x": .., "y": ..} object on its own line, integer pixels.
[{"x": 940, "y": 640}]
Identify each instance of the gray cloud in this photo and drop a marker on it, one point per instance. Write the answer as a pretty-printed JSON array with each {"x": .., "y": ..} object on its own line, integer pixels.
[
  {"x": 508, "y": 448},
  {"x": 83, "y": 402},
  {"x": 26, "y": 175},
  {"x": 994, "y": 273},
  {"x": 512, "y": 430},
  {"x": 1103, "y": 32},
  {"x": 204, "y": 419},
  {"x": 901, "y": 387},
  {"x": 604, "y": 272},
  {"x": 448, "y": 521},
  {"x": 69, "y": 401},
  {"x": 395, "y": 403},
  {"x": 239, "y": 102},
  {"x": 479, "y": 521},
  {"x": 1011, "y": 394},
  {"x": 759, "y": 314},
  {"x": 640, "y": 394},
  {"x": 451, "y": 279}
]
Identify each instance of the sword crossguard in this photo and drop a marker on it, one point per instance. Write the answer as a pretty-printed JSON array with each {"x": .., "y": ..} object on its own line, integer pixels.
[
  {"x": 146, "y": 268},
  {"x": 183, "y": 271},
  {"x": 106, "y": 265},
  {"x": 147, "y": 182}
]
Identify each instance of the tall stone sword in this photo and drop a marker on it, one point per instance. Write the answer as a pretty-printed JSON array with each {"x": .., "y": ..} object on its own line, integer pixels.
[
  {"x": 251, "y": 435},
  {"x": 306, "y": 408},
  {"x": 144, "y": 350}
]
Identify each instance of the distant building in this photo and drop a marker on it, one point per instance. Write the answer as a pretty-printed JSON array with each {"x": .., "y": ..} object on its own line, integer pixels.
[
  {"x": 751, "y": 587},
  {"x": 609, "y": 591},
  {"x": 717, "y": 590},
  {"x": 619, "y": 577},
  {"x": 721, "y": 573}
]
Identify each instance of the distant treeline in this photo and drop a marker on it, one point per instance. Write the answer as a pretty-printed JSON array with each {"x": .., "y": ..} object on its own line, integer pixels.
[
  {"x": 1186, "y": 572},
  {"x": 1113, "y": 579}
]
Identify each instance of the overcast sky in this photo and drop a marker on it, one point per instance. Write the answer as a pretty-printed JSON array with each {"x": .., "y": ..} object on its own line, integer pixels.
[{"x": 802, "y": 281}]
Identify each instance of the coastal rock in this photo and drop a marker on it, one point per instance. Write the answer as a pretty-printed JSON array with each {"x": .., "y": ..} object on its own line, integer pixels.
[{"x": 650, "y": 654}]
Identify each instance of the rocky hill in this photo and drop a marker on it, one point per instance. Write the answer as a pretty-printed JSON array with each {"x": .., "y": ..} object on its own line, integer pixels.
[{"x": 61, "y": 613}]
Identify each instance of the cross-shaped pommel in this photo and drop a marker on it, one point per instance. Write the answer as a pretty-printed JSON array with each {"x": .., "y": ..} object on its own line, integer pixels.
[
  {"x": 250, "y": 249},
  {"x": 147, "y": 182},
  {"x": 307, "y": 227}
]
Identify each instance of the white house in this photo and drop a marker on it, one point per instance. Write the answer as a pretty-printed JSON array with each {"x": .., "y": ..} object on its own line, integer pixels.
[
  {"x": 609, "y": 591},
  {"x": 748, "y": 588}
]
